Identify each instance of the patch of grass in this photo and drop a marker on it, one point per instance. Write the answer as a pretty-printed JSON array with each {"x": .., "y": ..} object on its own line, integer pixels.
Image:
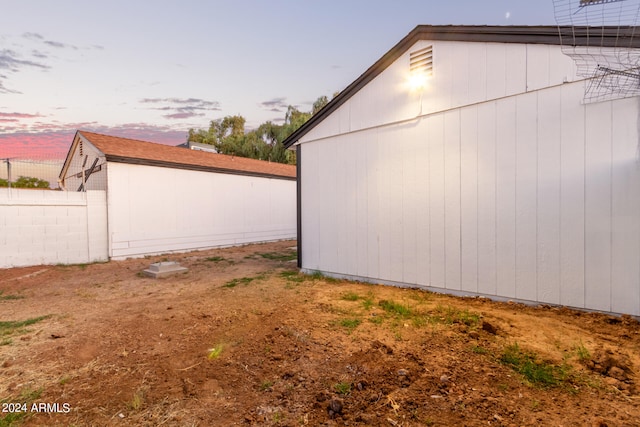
[
  {"x": 582, "y": 352},
  {"x": 12, "y": 327},
  {"x": 350, "y": 324},
  {"x": 479, "y": 350},
  {"x": 215, "y": 352},
  {"x": 451, "y": 315},
  {"x": 137, "y": 401},
  {"x": 215, "y": 259},
  {"x": 395, "y": 308},
  {"x": 537, "y": 372},
  {"x": 27, "y": 397},
  {"x": 4, "y": 297},
  {"x": 292, "y": 276},
  {"x": 350, "y": 296},
  {"x": 266, "y": 385},
  {"x": 343, "y": 388},
  {"x": 317, "y": 275},
  {"x": 242, "y": 281},
  {"x": 279, "y": 256},
  {"x": 367, "y": 303},
  {"x": 376, "y": 320}
]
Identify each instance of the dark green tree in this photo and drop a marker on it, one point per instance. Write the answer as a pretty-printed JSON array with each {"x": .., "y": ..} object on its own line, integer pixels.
[
  {"x": 26, "y": 182},
  {"x": 228, "y": 135}
]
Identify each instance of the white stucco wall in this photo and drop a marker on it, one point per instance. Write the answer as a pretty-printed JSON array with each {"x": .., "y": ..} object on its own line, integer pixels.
[
  {"x": 528, "y": 194},
  {"x": 157, "y": 210},
  {"x": 51, "y": 227}
]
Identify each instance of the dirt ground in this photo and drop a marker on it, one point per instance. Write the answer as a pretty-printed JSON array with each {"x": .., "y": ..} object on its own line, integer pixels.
[{"x": 242, "y": 339}]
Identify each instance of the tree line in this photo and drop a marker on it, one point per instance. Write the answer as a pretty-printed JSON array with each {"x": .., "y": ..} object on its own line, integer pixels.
[
  {"x": 25, "y": 182},
  {"x": 228, "y": 135}
]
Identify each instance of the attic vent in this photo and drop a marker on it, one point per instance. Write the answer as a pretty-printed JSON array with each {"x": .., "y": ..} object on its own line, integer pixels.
[
  {"x": 81, "y": 149},
  {"x": 421, "y": 61}
]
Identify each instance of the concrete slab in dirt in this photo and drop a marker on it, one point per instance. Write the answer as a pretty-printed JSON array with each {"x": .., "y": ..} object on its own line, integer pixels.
[{"x": 164, "y": 269}]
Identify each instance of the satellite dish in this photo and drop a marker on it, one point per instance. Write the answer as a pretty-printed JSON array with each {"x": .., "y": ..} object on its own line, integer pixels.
[{"x": 602, "y": 38}]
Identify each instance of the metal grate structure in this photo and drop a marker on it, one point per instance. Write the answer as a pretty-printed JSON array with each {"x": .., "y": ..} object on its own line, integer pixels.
[{"x": 601, "y": 36}]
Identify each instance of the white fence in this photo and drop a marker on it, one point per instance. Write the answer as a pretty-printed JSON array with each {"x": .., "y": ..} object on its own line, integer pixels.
[{"x": 51, "y": 227}]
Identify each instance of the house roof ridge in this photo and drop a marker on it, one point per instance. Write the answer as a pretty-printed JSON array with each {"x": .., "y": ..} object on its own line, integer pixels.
[{"x": 129, "y": 150}]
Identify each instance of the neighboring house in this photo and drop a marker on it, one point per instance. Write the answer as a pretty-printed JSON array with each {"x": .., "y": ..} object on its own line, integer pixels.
[
  {"x": 494, "y": 178},
  {"x": 198, "y": 146},
  {"x": 162, "y": 198}
]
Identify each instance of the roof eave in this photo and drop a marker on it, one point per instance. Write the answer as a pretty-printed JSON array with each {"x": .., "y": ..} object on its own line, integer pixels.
[
  {"x": 175, "y": 165},
  {"x": 542, "y": 34}
]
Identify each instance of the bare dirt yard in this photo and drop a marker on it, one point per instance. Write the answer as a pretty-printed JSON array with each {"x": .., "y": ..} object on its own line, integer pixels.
[{"x": 242, "y": 338}]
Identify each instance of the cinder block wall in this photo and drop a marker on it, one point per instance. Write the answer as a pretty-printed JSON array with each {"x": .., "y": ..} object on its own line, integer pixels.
[{"x": 52, "y": 227}]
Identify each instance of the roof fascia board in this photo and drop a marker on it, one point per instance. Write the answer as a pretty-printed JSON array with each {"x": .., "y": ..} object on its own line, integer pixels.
[
  {"x": 542, "y": 34},
  {"x": 162, "y": 164}
]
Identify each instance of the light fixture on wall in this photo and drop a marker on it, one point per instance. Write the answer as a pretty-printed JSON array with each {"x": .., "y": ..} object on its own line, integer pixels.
[{"x": 420, "y": 67}]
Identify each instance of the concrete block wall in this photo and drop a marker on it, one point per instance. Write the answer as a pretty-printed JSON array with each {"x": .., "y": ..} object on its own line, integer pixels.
[{"x": 52, "y": 227}]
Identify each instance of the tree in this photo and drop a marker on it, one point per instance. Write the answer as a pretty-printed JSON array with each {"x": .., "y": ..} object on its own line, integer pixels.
[
  {"x": 26, "y": 182},
  {"x": 228, "y": 135}
]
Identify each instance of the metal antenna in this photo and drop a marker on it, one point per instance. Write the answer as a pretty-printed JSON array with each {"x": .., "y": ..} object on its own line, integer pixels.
[{"x": 600, "y": 36}]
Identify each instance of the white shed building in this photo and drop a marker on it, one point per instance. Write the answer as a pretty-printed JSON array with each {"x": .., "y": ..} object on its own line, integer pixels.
[
  {"x": 494, "y": 178},
  {"x": 163, "y": 199}
]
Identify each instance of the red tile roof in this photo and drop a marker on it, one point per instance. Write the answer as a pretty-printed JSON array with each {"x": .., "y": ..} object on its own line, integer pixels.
[{"x": 134, "y": 151}]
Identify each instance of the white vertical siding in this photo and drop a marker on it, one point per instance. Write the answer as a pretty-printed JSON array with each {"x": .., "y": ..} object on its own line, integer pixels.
[
  {"x": 423, "y": 224},
  {"x": 598, "y": 206},
  {"x": 526, "y": 196},
  {"x": 487, "y": 268},
  {"x": 452, "y": 199},
  {"x": 469, "y": 199},
  {"x": 410, "y": 185},
  {"x": 436, "y": 201},
  {"x": 548, "y": 196},
  {"x": 373, "y": 211},
  {"x": 572, "y": 207},
  {"x": 625, "y": 209},
  {"x": 506, "y": 198},
  {"x": 523, "y": 193},
  {"x": 156, "y": 210}
]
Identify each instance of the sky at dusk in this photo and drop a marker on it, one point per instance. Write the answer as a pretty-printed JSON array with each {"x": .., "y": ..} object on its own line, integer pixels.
[{"x": 153, "y": 70}]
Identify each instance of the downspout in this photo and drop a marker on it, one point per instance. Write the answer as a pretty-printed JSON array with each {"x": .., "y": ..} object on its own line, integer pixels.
[{"x": 299, "y": 202}]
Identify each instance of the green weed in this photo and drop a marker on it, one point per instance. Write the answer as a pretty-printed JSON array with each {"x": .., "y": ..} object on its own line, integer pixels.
[
  {"x": 582, "y": 352},
  {"x": 451, "y": 315},
  {"x": 215, "y": 352},
  {"x": 395, "y": 308},
  {"x": 350, "y": 324},
  {"x": 266, "y": 385},
  {"x": 343, "y": 388},
  {"x": 350, "y": 296},
  {"x": 276, "y": 256},
  {"x": 536, "y": 372},
  {"x": 9, "y": 297},
  {"x": 242, "y": 281},
  {"x": 292, "y": 276},
  {"x": 27, "y": 397},
  {"x": 479, "y": 350},
  {"x": 317, "y": 275},
  {"x": 215, "y": 259},
  {"x": 11, "y": 327}
]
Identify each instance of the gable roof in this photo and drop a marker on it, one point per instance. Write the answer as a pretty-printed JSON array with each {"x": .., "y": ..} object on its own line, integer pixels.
[
  {"x": 132, "y": 151},
  {"x": 541, "y": 34}
]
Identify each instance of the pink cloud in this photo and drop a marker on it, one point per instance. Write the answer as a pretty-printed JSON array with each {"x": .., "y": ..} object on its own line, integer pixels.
[
  {"x": 19, "y": 115},
  {"x": 53, "y": 144}
]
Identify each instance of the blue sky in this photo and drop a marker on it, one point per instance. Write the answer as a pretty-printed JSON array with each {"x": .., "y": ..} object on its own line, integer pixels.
[{"x": 152, "y": 70}]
